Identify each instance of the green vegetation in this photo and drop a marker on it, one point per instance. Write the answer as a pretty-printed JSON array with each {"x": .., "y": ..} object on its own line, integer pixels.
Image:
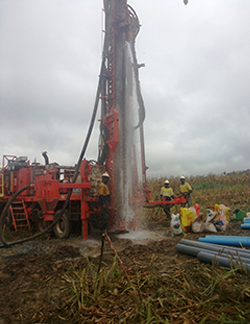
[
  {"x": 194, "y": 294},
  {"x": 232, "y": 190}
]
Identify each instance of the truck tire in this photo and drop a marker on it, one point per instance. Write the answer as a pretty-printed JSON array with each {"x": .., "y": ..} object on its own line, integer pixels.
[
  {"x": 39, "y": 221},
  {"x": 61, "y": 229}
]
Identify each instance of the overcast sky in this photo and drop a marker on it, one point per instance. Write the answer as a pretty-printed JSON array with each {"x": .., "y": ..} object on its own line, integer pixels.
[{"x": 195, "y": 83}]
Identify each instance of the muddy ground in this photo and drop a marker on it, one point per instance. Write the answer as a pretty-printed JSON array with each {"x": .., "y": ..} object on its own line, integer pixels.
[{"x": 28, "y": 270}]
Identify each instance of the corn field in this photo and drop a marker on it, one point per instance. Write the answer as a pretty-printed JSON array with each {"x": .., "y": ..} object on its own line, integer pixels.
[{"x": 230, "y": 189}]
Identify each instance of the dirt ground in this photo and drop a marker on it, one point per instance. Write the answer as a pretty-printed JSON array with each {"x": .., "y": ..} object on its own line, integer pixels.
[{"x": 26, "y": 269}]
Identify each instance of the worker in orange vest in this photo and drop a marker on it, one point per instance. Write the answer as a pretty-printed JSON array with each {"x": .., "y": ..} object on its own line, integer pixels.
[{"x": 104, "y": 201}]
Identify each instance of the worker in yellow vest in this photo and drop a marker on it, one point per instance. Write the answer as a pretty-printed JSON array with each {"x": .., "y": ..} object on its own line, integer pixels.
[
  {"x": 167, "y": 194},
  {"x": 185, "y": 191},
  {"x": 104, "y": 201}
]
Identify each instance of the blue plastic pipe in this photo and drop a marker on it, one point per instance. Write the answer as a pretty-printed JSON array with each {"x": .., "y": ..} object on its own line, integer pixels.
[
  {"x": 246, "y": 220},
  {"x": 227, "y": 241},
  {"x": 225, "y": 256},
  {"x": 228, "y": 236},
  {"x": 219, "y": 249},
  {"x": 211, "y": 246},
  {"x": 221, "y": 260},
  {"x": 224, "y": 237},
  {"x": 191, "y": 250},
  {"x": 245, "y": 226}
]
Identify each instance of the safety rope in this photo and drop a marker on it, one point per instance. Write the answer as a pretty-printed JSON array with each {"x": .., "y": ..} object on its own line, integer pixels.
[{"x": 112, "y": 247}]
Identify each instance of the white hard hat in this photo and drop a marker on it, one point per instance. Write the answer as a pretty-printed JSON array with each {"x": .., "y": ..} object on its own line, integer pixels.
[
  {"x": 182, "y": 177},
  {"x": 166, "y": 181},
  {"x": 105, "y": 174}
]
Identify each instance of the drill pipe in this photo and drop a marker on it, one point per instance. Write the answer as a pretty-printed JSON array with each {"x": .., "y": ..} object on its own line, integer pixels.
[
  {"x": 221, "y": 260},
  {"x": 240, "y": 257}
]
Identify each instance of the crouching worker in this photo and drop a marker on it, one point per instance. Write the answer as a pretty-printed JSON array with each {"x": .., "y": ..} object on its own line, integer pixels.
[
  {"x": 104, "y": 201},
  {"x": 167, "y": 194}
]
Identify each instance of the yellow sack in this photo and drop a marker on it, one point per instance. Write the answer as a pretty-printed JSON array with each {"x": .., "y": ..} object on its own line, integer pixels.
[
  {"x": 222, "y": 218},
  {"x": 217, "y": 210},
  {"x": 187, "y": 217}
]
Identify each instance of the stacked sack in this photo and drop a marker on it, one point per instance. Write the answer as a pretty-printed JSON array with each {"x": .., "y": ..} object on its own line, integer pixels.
[
  {"x": 190, "y": 219},
  {"x": 181, "y": 223}
]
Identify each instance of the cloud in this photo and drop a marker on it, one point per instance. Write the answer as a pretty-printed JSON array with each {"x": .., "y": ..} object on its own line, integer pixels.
[{"x": 194, "y": 84}]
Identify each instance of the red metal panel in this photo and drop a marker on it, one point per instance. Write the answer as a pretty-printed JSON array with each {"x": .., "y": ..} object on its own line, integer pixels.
[
  {"x": 23, "y": 179},
  {"x": 46, "y": 187}
]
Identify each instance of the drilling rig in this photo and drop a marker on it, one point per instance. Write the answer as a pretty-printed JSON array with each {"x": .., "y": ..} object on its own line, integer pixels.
[
  {"x": 122, "y": 111},
  {"x": 66, "y": 198}
]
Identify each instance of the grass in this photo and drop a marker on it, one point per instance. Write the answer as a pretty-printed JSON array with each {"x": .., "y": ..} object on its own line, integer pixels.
[
  {"x": 192, "y": 294},
  {"x": 188, "y": 294},
  {"x": 231, "y": 190}
]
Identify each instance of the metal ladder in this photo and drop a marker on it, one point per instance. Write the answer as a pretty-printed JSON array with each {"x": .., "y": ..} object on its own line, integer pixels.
[{"x": 19, "y": 215}]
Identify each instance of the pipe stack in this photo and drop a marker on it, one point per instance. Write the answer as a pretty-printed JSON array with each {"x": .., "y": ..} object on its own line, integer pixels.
[
  {"x": 246, "y": 223},
  {"x": 225, "y": 256},
  {"x": 226, "y": 240}
]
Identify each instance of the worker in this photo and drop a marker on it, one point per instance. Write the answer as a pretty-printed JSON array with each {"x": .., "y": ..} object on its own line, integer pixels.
[
  {"x": 185, "y": 191},
  {"x": 167, "y": 194},
  {"x": 104, "y": 200}
]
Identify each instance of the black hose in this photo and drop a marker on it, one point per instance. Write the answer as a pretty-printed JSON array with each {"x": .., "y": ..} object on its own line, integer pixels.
[
  {"x": 136, "y": 28},
  {"x": 46, "y": 158},
  {"x": 142, "y": 113},
  {"x": 102, "y": 153},
  {"x": 136, "y": 25}
]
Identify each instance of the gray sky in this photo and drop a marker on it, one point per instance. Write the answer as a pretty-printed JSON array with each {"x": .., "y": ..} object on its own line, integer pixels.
[{"x": 195, "y": 83}]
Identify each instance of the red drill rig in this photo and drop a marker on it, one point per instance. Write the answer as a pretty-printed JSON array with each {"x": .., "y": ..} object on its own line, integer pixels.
[{"x": 66, "y": 198}]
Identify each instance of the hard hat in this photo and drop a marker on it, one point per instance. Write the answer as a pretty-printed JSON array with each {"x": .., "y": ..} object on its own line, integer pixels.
[
  {"x": 166, "y": 181},
  {"x": 105, "y": 174},
  {"x": 182, "y": 177}
]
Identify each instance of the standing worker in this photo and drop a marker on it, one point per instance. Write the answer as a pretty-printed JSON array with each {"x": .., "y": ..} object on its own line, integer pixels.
[
  {"x": 185, "y": 191},
  {"x": 104, "y": 200},
  {"x": 167, "y": 194}
]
